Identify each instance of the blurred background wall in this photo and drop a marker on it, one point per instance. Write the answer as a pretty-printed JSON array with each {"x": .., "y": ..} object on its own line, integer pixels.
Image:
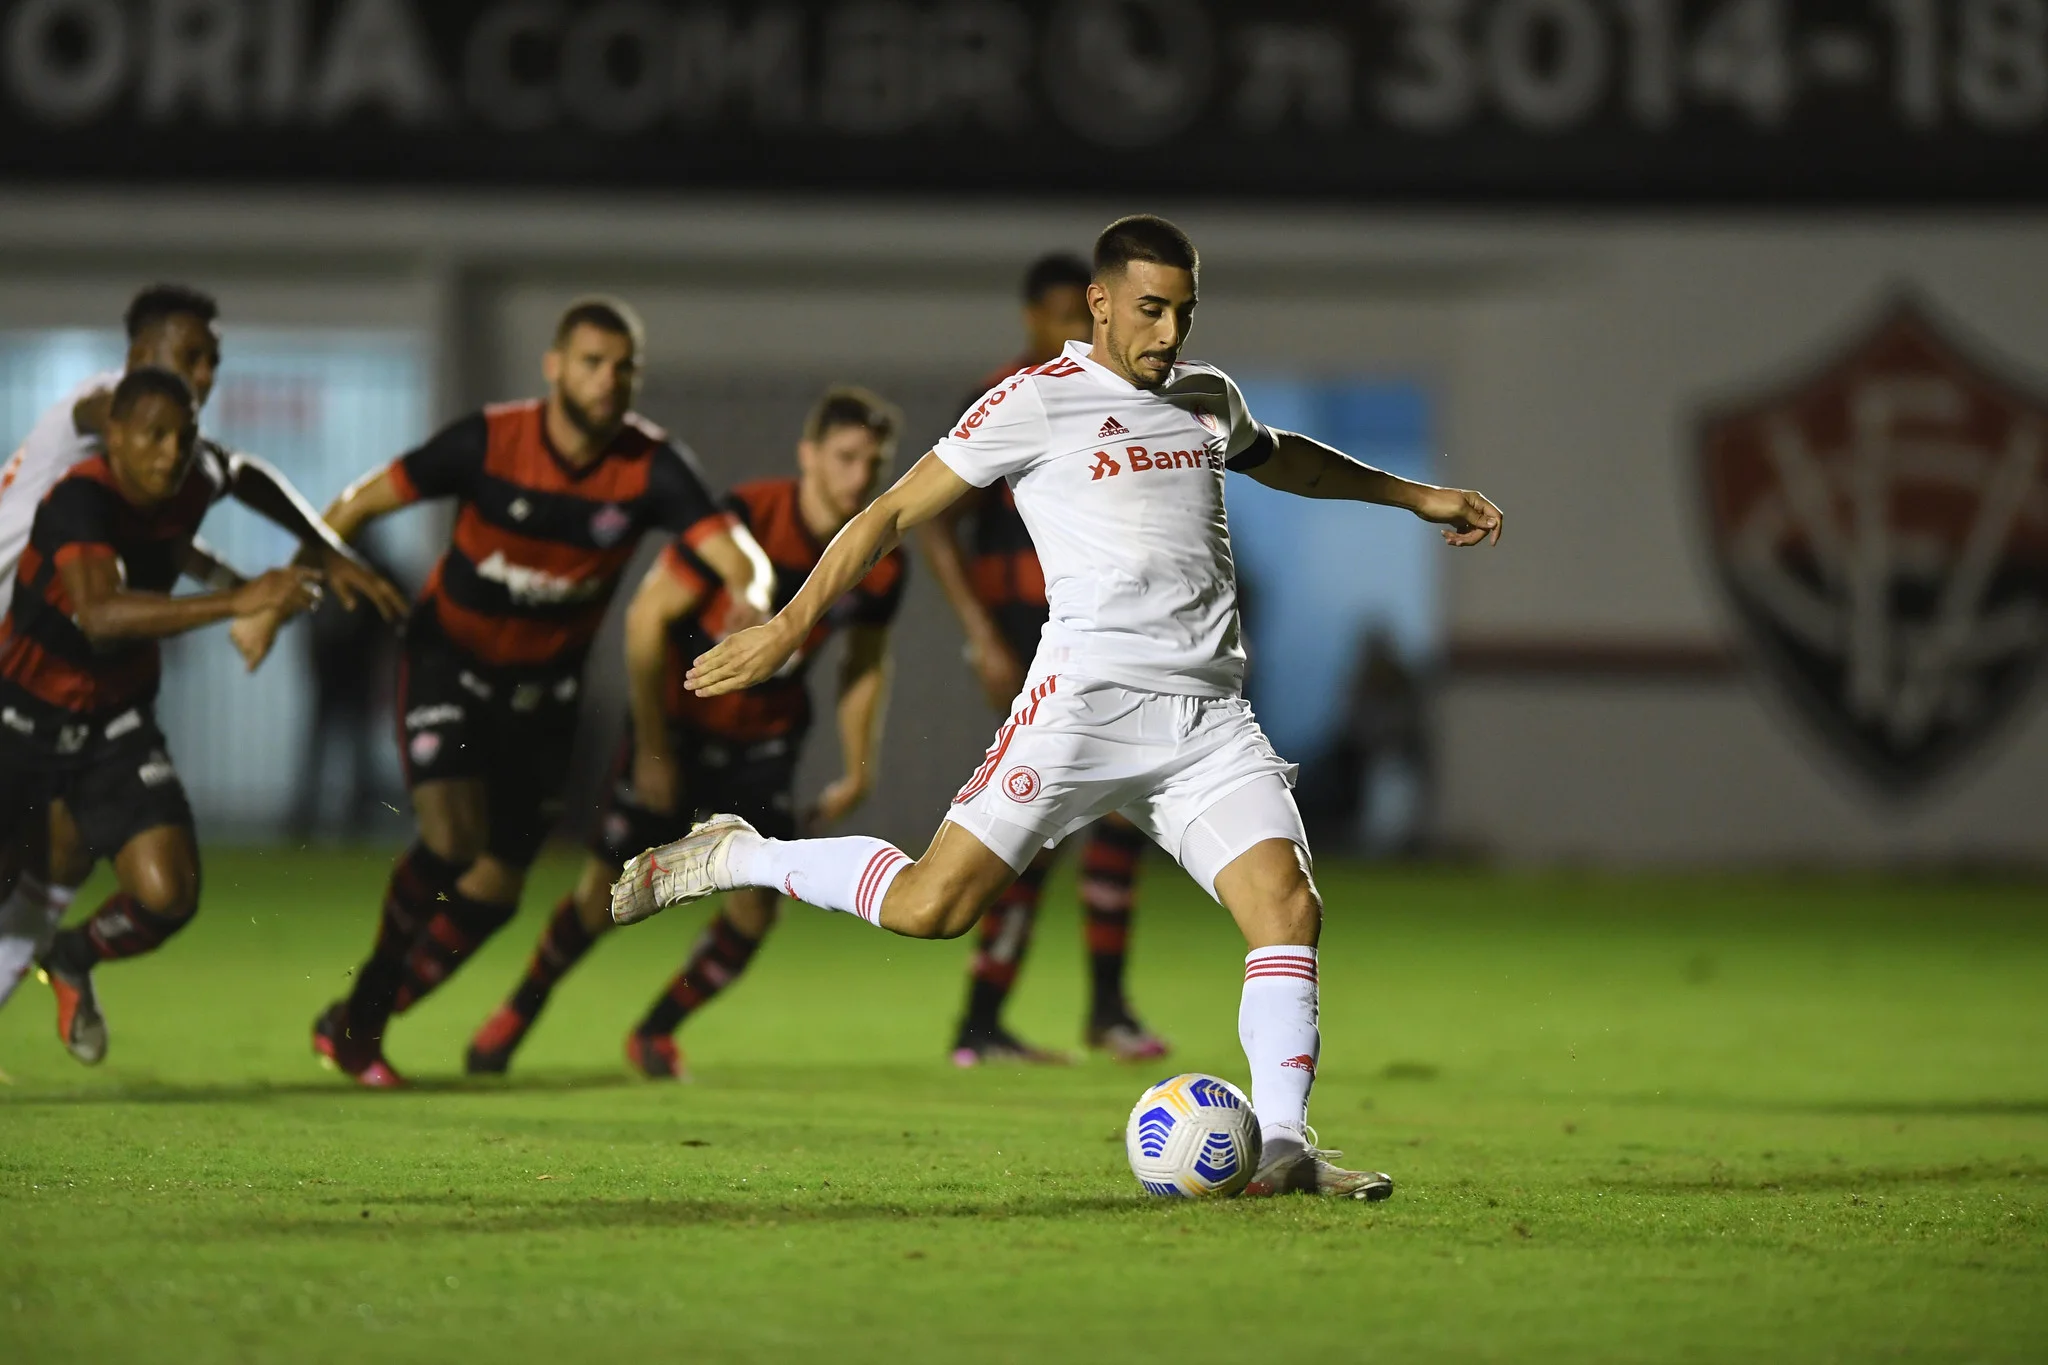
[{"x": 1606, "y": 687}]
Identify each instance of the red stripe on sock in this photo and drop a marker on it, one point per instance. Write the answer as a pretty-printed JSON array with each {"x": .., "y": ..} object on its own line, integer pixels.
[
  {"x": 867, "y": 879},
  {"x": 879, "y": 868}
]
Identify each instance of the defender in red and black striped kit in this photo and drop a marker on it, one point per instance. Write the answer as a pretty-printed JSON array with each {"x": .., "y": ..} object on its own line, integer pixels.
[
  {"x": 686, "y": 756},
  {"x": 997, "y": 589},
  {"x": 552, "y": 496},
  {"x": 79, "y": 667}
]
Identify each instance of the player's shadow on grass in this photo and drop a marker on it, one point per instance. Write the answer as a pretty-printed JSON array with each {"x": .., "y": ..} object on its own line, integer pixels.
[
  {"x": 1852, "y": 1179},
  {"x": 1874, "y": 1109},
  {"x": 496, "y": 1217},
  {"x": 140, "y": 1091}
]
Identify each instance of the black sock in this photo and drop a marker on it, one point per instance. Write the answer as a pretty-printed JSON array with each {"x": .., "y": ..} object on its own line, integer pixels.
[
  {"x": 421, "y": 882},
  {"x": 1005, "y": 938},
  {"x": 721, "y": 954},
  {"x": 562, "y": 945},
  {"x": 460, "y": 927}
]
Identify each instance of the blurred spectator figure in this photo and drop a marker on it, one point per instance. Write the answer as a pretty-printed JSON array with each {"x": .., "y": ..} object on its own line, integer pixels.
[
  {"x": 1370, "y": 790},
  {"x": 351, "y": 655}
]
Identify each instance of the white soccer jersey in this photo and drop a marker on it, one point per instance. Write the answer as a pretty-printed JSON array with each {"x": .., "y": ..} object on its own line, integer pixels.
[
  {"x": 1122, "y": 491},
  {"x": 52, "y": 446}
]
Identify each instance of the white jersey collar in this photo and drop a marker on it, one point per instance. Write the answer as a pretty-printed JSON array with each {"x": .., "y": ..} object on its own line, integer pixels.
[{"x": 1077, "y": 351}]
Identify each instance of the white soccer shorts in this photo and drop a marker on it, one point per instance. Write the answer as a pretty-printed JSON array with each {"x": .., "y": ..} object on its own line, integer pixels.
[{"x": 1076, "y": 749}]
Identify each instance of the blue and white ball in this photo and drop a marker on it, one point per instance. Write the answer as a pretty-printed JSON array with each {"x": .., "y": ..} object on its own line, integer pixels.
[{"x": 1193, "y": 1137}]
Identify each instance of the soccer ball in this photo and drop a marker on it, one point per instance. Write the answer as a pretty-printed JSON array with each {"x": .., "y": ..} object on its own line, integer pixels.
[{"x": 1193, "y": 1137}]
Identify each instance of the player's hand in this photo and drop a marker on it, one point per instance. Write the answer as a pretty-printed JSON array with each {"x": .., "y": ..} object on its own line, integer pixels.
[
  {"x": 253, "y": 636},
  {"x": 741, "y": 614},
  {"x": 354, "y": 581},
  {"x": 836, "y": 802},
  {"x": 740, "y": 661},
  {"x": 287, "y": 591},
  {"x": 999, "y": 671},
  {"x": 654, "y": 782},
  {"x": 1467, "y": 517}
]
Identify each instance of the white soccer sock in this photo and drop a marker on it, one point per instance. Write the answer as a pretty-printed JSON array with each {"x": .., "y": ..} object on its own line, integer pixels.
[
  {"x": 1276, "y": 1022},
  {"x": 850, "y": 874},
  {"x": 28, "y": 921}
]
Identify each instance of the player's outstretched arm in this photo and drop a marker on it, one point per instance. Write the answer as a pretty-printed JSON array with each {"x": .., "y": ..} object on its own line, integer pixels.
[
  {"x": 663, "y": 598},
  {"x": 258, "y": 486},
  {"x": 106, "y": 610},
  {"x": 752, "y": 656},
  {"x": 863, "y": 698},
  {"x": 1307, "y": 468}
]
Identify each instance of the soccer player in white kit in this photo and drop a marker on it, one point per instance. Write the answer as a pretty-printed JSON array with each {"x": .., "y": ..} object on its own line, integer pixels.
[{"x": 1116, "y": 454}]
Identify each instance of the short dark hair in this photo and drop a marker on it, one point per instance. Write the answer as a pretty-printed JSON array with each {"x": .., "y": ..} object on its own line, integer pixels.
[
  {"x": 605, "y": 313},
  {"x": 1055, "y": 270},
  {"x": 161, "y": 302},
  {"x": 849, "y": 405},
  {"x": 137, "y": 385},
  {"x": 1144, "y": 237}
]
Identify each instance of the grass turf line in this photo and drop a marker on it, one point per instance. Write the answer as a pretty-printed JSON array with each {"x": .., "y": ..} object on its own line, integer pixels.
[{"x": 1630, "y": 1120}]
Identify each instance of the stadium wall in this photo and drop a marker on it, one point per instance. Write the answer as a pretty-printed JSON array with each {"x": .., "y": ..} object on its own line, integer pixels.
[{"x": 1600, "y": 700}]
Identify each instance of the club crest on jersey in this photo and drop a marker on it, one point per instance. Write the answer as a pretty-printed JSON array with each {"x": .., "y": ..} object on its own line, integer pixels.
[
  {"x": 1881, "y": 528},
  {"x": 1210, "y": 421},
  {"x": 1020, "y": 784},
  {"x": 609, "y": 524}
]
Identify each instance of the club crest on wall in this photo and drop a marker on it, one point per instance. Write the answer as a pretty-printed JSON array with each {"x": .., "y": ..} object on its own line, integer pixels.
[{"x": 1881, "y": 526}]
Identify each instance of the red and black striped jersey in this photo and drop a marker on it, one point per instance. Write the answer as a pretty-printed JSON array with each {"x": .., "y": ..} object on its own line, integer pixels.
[
  {"x": 43, "y": 653},
  {"x": 1002, "y": 564},
  {"x": 539, "y": 544},
  {"x": 781, "y": 705}
]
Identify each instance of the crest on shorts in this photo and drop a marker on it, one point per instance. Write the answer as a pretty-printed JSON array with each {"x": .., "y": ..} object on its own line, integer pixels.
[
  {"x": 1020, "y": 784},
  {"x": 609, "y": 524},
  {"x": 1881, "y": 527},
  {"x": 423, "y": 746}
]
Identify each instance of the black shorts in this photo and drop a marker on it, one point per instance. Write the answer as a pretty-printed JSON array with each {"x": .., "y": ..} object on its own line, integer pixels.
[
  {"x": 511, "y": 729},
  {"x": 754, "y": 780},
  {"x": 114, "y": 772}
]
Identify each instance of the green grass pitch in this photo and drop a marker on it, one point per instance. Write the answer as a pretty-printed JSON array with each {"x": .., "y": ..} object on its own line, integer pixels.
[{"x": 1631, "y": 1120}]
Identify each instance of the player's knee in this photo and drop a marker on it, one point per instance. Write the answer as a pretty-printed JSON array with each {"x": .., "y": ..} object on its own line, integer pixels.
[
  {"x": 931, "y": 910},
  {"x": 1298, "y": 913},
  {"x": 493, "y": 882},
  {"x": 167, "y": 887}
]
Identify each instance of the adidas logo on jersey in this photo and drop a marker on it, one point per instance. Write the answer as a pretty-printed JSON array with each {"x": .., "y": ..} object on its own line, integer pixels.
[
  {"x": 1112, "y": 427},
  {"x": 1141, "y": 460}
]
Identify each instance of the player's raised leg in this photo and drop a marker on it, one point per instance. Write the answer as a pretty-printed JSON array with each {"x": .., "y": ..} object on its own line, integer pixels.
[{"x": 940, "y": 895}]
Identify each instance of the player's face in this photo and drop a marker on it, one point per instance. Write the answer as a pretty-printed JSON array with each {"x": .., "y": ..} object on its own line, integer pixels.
[
  {"x": 184, "y": 345},
  {"x": 593, "y": 375},
  {"x": 1144, "y": 311},
  {"x": 844, "y": 467},
  {"x": 1058, "y": 316},
  {"x": 152, "y": 446}
]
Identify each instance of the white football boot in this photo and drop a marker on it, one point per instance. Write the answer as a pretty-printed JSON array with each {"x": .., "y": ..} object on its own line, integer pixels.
[
  {"x": 1304, "y": 1168},
  {"x": 691, "y": 868}
]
